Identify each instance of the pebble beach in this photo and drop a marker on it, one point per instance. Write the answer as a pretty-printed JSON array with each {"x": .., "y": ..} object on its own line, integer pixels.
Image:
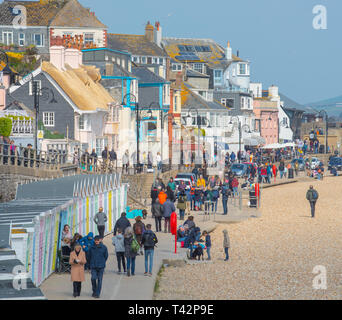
[{"x": 272, "y": 257}]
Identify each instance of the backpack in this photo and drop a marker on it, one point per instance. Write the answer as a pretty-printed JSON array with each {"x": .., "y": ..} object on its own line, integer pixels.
[
  {"x": 150, "y": 239},
  {"x": 181, "y": 199},
  {"x": 314, "y": 195},
  {"x": 138, "y": 229},
  {"x": 135, "y": 246}
]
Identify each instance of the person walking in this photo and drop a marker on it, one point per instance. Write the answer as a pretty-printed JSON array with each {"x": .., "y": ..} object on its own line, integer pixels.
[
  {"x": 149, "y": 240},
  {"x": 77, "y": 261},
  {"x": 122, "y": 223},
  {"x": 98, "y": 255},
  {"x": 87, "y": 242},
  {"x": 226, "y": 244},
  {"x": 312, "y": 197},
  {"x": 281, "y": 168},
  {"x": 125, "y": 161},
  {"x": 225, "y": 195},
  {"x": 207, "y": 243},
  {"x": 118, "y": 242},
  {"x": 130, "y": 251},
  {"x": 159, "y": 162},
  {"x": 157, "y": 212},
  {"x": 181, "y": 205},
  {"x": 169, "y": 207},
  {"x": 139, "y": 228},
  {"x": 100, "y": 219}
]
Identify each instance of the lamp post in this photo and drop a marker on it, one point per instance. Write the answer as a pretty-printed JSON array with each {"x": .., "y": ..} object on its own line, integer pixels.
[
  {"x": 45, "y": 93},
  {"x": 199, "y": 120},
  {"x": 325, "y": 114},
  {"x": 162, "y": 119},
  {"x": 241, "y": 127}
]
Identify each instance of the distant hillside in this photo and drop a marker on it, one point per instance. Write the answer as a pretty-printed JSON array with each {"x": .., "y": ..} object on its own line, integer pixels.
[{"x": 332, "y": 106}]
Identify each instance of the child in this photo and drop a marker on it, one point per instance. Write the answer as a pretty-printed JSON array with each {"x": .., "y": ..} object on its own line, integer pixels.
[
  {"x": 207, "y": 243},
  {"x": 118, "y": 242},
  {"x": 226, "y": 243},
  {"x": 144, "y": 213}
]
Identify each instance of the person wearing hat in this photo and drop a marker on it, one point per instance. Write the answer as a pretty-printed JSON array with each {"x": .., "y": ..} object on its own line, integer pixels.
[
  {"x": 98, "y": 255},
  {"x": 100, "y": 219},
  {"x": 77, "y": 261}
]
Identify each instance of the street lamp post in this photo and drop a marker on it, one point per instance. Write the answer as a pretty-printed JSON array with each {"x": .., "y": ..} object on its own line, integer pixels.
[
  {"x": 45, "y": 93},
  {"x": 325, "y": 114},
  {"x": 198, "y": 125},
  {"x": 241, "y": 127}
]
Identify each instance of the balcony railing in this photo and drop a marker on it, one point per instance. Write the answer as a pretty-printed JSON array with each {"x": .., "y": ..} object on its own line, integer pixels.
[{"x": 22, "y": 127}]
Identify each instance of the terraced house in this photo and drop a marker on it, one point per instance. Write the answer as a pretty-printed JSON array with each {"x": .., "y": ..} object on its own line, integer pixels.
[
  {"x": 216, "y": 75},
  {"x": 24, "y": 23}
]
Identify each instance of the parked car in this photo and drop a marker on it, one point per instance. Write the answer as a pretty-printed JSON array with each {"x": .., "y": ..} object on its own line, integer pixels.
[
  {"x": 186, "y": 175},
  {"x": 239, "y": 169},
  {"x": 335, "y": 162},
  {"x": 187, "y": 182},
  {"x": 301, "y": 164}
]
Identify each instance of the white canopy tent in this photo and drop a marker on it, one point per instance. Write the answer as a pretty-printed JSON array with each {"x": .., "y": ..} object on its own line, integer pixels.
[{"x": 279, "y": 145}]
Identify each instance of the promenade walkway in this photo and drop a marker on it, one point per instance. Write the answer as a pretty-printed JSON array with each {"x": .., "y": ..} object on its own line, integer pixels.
[{"x": 121, "y": 287}]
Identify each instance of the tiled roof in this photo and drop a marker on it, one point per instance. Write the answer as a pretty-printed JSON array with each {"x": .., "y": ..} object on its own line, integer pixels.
[
  {"x": 135, "y": 44},
  {"x": 195, "y": 74},
  {"x": 74, "y": 14},
  {"x": 146, "y": 76},
  {"x": 38, "y": 13},
  {"x": 193, "y": 100},
  {"x": 214, "y": 58},
  {"x": 81, "y": 85},
  {"x": 55, "y": 13}
]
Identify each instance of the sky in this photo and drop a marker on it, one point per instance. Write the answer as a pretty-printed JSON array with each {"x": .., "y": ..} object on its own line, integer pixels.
[{"x": 277, "y": 36}]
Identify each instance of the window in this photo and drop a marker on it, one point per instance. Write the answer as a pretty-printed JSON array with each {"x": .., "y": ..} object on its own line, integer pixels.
[
  {"x": 88, "y": 38},
  {"x": 135, "y": 59},
  {"x": 49, "y": 119},
  {"x": 161, "y": 61},
  {"x": 143, "y": 60},
  {"x": 38, "y": 40},
  {"x": 198, "y": 67},
  {"x": 81, "y": 122},
  {"x": 174, "y": 67},
  {"x": 123, "y": 63},
  {"x": 217, "y": 77},
  {"x": 166, "y": 94},
  {"x": 149, "y": 60},
  {"x": 21, "y": 39},
  {"x": 243, "y": 69},
  {"x": 39, "y": 86},
  {"x": 7, "y": 38},
  {"x": 118, "y": 61},
  {"x": 129, "y": 66}
]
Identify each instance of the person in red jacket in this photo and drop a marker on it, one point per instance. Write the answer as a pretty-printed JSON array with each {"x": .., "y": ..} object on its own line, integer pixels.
[
  {"x": 235, "y": 185},
  {"x": 274, "y": 170}
]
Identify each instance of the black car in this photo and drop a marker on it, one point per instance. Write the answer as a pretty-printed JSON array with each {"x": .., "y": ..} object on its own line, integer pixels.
[{"x": 335, "y": 162}]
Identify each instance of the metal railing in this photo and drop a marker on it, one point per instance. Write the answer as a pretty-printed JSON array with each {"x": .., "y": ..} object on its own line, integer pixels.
[{"x": 16, "y": 156}]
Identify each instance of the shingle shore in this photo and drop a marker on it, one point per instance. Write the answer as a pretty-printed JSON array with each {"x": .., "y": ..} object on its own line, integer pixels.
[{"x": 272, "y": 257}]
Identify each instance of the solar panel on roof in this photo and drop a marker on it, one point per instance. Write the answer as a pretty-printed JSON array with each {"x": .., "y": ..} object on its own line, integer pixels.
[{"x": 181, "y": 48}]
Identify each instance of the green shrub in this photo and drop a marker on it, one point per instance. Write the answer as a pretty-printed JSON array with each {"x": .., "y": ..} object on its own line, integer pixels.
[{"x": 5, "y": 127}]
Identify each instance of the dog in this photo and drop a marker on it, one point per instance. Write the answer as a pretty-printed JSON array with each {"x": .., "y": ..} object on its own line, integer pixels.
[{"x": 198, "y": 252}]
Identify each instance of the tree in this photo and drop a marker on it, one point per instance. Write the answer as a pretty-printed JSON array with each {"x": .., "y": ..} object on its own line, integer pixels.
[{"x": 5, "y": 127}]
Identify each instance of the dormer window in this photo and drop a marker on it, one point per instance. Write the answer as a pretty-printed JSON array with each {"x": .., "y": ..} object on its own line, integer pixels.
[
  {"x": 217, "y": 77},
  {"x": 243, "y": 69}
]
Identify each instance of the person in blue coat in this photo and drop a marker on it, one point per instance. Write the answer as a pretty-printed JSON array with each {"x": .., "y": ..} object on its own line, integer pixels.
[
  {"x": 98, "y": 255},
  {"x": 87, "y": 242}
]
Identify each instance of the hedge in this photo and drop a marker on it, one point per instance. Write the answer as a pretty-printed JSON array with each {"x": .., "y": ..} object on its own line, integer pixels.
[{"x": 5, "y": 127}]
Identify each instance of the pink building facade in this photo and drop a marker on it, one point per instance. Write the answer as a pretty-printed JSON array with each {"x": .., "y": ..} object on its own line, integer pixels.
[{"x": 266, "y": 115}]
